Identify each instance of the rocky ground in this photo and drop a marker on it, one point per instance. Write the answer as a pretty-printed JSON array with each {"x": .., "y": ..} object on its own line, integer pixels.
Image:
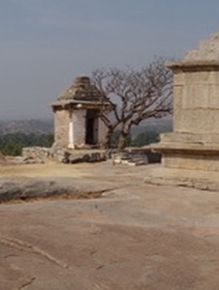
[{"x": 127, "y": 235}]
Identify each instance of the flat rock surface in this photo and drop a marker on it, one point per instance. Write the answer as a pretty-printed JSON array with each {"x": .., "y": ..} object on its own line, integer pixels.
[{"x": 136, "y": 236}]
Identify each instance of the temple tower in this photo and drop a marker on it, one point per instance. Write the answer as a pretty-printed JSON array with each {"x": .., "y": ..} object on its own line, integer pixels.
[{"x": 192, "y": 149}]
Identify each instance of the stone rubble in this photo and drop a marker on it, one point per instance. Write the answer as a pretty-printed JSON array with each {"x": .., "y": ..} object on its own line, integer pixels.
[
  {"x": 32, "y": 155},
  {"x": 131, "y": 156},
  {"x": 35, "y": 154},
  {"x": 135, "y": 157}
]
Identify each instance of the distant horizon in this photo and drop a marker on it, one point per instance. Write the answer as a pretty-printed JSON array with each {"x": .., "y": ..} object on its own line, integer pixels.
[{"x": 167, "y": 118}]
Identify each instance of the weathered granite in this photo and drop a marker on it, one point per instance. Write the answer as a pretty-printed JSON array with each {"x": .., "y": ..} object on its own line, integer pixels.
[{"x": 25, "y": 189}]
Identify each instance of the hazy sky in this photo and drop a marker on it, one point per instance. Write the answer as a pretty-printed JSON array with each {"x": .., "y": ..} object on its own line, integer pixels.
[{"x": 44, "y": 44}]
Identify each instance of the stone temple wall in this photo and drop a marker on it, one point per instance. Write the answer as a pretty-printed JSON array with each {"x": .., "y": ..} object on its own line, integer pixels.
[
  {"x": 62, "y": 120},
  {"x": 79, "y": 127},
  {"x": 102, "y": 132},
  {"x": 193, "y": 144},
  {"x": 196, "y": 101},
  {"x": 72, "y": 126},
  {"x": 190, "y": 154}
]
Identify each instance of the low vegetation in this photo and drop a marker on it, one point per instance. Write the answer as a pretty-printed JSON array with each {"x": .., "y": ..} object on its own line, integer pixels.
[{"x": 12, "y": 144}]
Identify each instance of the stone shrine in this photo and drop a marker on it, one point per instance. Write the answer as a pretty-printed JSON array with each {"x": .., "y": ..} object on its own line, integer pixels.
[
  {"x": 76, "y": 116},
  {"x": 192, "y": 149}
]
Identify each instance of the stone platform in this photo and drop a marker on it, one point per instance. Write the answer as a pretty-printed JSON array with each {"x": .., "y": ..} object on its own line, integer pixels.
[
  {"x": 198, "y": 179},
  {"x": 189, "y": 151}
]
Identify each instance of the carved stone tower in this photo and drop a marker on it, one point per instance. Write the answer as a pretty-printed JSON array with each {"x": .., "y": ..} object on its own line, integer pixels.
[{"x": 192, "y": 150}]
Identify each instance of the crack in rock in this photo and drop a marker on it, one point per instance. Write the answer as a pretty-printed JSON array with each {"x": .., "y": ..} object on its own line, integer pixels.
[
  {"x": 26, "y": 284},
  {"x": 27, "y": 247}
]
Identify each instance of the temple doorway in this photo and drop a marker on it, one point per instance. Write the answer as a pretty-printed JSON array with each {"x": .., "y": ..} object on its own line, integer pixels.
[{"x": 92, "y": 127}]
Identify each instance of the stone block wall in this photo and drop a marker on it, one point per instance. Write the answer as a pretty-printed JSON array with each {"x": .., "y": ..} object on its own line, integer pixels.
[
  {"x": 62, "y": 119},
  {"x": 79, "y": 127},
  {"x": 102, "y": 132},
  {"x": 70, "y": 129},
  {"x": 196, "y": 101}
]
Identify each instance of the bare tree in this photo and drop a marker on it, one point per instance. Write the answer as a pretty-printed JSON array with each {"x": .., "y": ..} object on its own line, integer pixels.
[{"x": 134, "y": 95}]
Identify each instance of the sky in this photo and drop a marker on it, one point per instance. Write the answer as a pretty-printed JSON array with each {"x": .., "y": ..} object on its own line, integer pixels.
[{"x": 45, "y": 44}]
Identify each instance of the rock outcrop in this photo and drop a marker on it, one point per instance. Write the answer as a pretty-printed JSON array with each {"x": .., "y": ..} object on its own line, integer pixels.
[{"x": 25, "y": 189}]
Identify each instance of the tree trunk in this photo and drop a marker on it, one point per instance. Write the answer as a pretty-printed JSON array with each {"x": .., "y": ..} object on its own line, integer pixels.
[
  {"x": 123, "y": 141},
  {"x": 108, "y": 141}
]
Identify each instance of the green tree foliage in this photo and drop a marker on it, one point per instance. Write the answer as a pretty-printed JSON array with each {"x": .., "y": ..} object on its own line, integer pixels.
[
  {"x": 150, "y": 135},
  {"x": 12, "y": 144},
  {"x": 116, "y": 139},
  {"x": 146, "y": 138}
]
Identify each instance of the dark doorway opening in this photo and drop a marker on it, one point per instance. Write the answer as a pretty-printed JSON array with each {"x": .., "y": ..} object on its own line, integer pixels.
[{"x": 91, "y": 127}]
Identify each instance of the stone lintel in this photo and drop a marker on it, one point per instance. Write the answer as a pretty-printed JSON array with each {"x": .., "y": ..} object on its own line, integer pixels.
[
  {"x": 182, "y": 138},
  {"x": 78, "y": 105},
  {"x": 196, "y": 65},
  {"x": 186, "y": 148}
]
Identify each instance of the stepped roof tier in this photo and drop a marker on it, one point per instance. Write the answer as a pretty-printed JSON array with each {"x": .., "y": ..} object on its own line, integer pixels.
[{"x": 82, "y": 91}]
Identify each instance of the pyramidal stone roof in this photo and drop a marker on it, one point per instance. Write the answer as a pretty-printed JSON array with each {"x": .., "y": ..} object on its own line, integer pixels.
[
  {"x": 81, "y": 90},
  {"x": 208, "y": 50}
]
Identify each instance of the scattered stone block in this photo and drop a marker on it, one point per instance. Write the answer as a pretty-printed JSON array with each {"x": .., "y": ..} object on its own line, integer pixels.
[{"x": 35, "y": 154}]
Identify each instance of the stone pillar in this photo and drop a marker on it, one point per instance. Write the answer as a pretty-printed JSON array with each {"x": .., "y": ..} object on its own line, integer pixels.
[
  {"x": 71, "y": 144},
  {"x": 79, "y": 121},
  {"x": 195, "y": 139},
  {"x": 102, "y": 132},
  {"x": 62, "y": 120}
]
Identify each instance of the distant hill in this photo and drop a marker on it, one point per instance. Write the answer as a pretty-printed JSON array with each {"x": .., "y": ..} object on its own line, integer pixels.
[
  {"x": 40, "y": 127},
  {"x": 159, "y": 125},
  {"x": 37, "y": 127}
]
